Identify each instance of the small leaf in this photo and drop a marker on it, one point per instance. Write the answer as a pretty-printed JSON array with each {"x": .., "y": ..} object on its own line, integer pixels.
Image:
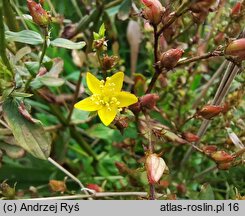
[
  {"x": 20, "y": 94},
  {"x": 102, "y": 31},
  {"x": 30, "y": 136},
  {"x": 25, "y": 36},
  {"x": 64, "y": 43},
  {"x": 21, "y": 53},
  {"x": 96, "y": 36},
  {"x": 51, "y": 81}
]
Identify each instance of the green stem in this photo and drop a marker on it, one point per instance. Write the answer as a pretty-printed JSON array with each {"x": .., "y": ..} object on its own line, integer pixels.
[
  {"x": 45, "y": 46},
  {"x": 75, "y": 98},
  {"x": 83, "y": 143},
  {"x": 10, "y": 16},
  {"x": 3, "y": 53}
]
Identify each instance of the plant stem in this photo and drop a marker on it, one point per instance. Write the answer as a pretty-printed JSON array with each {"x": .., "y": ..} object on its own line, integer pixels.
[
  {"x": 209, "y": 83},
  {"x": 223, "y": 89},
  {"x": 70, "y": 175},
  {"x": 212, "y": 168},
  {"x": 239, "y": 153},
  {"x": 197, "y": 58},
  {"x": 157, "y": 69},
  {"x": 96, "y": 195},
  {"x": 3, "y": 53},
  {"x": 10, "y": 16},
  {"x": 101, "y": 65},
  {"x": 75, "y": 98},
  {"x": 82, "y": 143},
  {"x": 45, "y": 46},
  {"x": 183, "y": 8}
]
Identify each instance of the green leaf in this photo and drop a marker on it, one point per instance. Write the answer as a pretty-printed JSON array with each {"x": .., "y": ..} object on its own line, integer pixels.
[
  {"x": 102, "y": 31},
  {"x": 64, "y": 43},
  {"x": 51, "y": 81},
  {"x": 20, "y": 94},
  {"x": 100, "y": 131},
  {"x": 30, "y": 136},
  {"x": 96, "y": 36},
  {"x": 124, "y": 10},
  {"x": 32, "y": 67},
  {"x": 206, "y": 192},
  {"x": 25, "y": 36}
]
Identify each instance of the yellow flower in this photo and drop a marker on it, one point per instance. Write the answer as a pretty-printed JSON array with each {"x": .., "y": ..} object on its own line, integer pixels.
[{"x": 107, "y": 97}]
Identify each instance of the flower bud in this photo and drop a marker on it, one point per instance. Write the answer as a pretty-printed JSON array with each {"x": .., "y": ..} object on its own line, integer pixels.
[
  {"x": 100, "y": 44},
  {"x": 190, "y": 137},
  {"x": 210, "y": 111},
  {"x": 155, "y": 167},
  {"x": 7, "y": 191},
  {"x": 95, "y": 187},
  {"x": 201, "y": 5},
  {"x": 237, "y": 49},
  {"x": 209, "y": 149},
  {"x": 39, "y": 15},
  {"x": 149, "y": 101},
  {"x": 222, "y": 157},
  {"x": 170, "y": 58},
  {"x": 57, "y": 186},
  {"x": 153, "y": 12},
  {"x": 181, "y": 188},
  {"x": 235, "y": 11}
]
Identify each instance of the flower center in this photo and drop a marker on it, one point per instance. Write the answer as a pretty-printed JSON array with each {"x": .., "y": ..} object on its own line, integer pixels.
[{"x": 107, "y": 97}]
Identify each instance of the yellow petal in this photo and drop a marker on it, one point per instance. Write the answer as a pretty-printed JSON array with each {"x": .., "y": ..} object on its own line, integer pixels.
[
  {"x": 115, "y": 81},
  {"x": 93, "y": 83},
  {"x": 87, "y": 105},
  {"x": 106, "y": 115},
  {"x": 126, "y": 99}
]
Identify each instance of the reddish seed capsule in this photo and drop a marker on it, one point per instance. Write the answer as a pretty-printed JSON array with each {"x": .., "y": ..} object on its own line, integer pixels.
[
  {"x": 209, "y": 149},
  {"x": 170, "y": 58},
  {"x": 57, "y": 186},
  {"x": 181, "y": 188},
  {"x": 154, "y": 11},
  {"x": 210, "y": 111},
  {"x": 222, "y": 157},
  {"x": 95, "y": 187},
  {"x": 190, "y": 137},
  {"x": 149, "y": 101},
  {"x": 135, "y": 108},
  {"x": 164, "y": 183},
  {"x": 155, "y": 167},
  {"x": 236, "y": 9},
  {"x": 237, "y": 49},
  {"x": 39, "y": 15}
]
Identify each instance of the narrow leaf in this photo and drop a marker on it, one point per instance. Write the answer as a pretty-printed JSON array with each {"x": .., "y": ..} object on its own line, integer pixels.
[
  {"x": 25, "y": 36},
  {"x": 64, "y": 43}
]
